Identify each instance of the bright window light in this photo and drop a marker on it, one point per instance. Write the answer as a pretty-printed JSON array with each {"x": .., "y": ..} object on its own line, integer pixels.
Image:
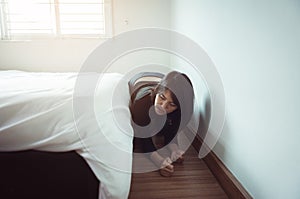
[{"x": 40, "y": 18}]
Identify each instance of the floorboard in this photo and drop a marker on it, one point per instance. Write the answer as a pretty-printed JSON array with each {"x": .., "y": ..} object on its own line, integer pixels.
[{"x": 192, "y": 179}]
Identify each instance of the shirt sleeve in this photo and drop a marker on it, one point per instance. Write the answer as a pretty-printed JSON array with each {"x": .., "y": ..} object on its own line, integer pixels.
[
  {"x": 169, "y": 132},
  {"x": 147, "y": 145}
]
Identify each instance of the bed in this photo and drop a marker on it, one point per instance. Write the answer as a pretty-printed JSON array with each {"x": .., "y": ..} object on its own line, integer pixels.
[{"x": 38, "y": 112}]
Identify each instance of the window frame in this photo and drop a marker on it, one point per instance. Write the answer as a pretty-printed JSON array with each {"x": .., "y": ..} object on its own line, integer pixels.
[{"x": 108, "y": 29}]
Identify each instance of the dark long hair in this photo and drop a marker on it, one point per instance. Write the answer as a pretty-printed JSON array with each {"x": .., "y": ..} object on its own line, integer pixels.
[{"x": 182, "y": 93}]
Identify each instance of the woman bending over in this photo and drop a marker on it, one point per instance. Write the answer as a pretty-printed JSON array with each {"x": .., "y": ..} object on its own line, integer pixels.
[{"x": 164, "y": 110}]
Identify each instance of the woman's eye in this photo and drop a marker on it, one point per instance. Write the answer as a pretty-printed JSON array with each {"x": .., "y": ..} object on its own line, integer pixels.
[
  {"x": 172, "y": 104},
  {"x": 162, "y": 96}
]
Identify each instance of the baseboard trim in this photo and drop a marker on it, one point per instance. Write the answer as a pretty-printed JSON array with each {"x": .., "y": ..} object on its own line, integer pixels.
[{"x": 232, "y": 187}]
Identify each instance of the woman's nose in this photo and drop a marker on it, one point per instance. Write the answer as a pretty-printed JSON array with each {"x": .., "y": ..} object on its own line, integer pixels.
[{"x": 164, "y": 105}]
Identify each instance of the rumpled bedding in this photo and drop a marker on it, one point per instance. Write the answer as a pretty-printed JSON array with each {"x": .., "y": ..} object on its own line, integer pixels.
[{"x": 40, "y": 111}]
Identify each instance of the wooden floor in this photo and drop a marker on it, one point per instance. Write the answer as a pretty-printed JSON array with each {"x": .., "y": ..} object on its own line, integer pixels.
[{"x": 192, "y": 179}]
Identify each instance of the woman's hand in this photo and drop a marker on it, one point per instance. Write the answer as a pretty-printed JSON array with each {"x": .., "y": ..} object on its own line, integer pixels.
[
  {"x": 165, "y": 165},
  {"x": 177, "y": 156},
  {"x": 166, "y": 169}
]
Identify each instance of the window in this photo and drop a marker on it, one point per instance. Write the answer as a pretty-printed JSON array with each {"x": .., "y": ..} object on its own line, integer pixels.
[{"x": 50, "y": 18}]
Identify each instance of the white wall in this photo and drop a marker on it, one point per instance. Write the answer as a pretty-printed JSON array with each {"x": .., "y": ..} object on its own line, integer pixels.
[
  {"x": 69, "y": 54},
  {"x": 255, "y": 46}
]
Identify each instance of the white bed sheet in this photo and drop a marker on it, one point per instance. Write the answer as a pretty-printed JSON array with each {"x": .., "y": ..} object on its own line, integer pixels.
[{"x": 36, "y": 112}]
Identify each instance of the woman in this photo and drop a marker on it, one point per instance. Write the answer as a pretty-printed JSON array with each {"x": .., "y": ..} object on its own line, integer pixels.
[{"x": 164, "y": 109}]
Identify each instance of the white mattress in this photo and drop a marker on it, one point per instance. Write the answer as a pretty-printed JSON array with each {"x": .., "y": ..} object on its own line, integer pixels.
[{"x": 37, "y": 111}]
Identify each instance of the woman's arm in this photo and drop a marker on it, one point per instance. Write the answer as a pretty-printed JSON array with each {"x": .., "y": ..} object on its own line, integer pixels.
[
  {"x": 176, "y": 152},
  {"x": 147, "y": 145}
]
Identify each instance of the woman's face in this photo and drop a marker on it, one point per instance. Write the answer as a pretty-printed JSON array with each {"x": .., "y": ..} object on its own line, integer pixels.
[{"x": 164, "y": 103}]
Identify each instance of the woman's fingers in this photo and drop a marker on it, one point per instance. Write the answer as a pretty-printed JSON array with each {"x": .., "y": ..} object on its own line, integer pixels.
[
  {"x": 176, "y": 154},
  {"x": 165, "y": 172},
  {"x": 169, "y": 169},
  {"x": 167, "y": 164}
]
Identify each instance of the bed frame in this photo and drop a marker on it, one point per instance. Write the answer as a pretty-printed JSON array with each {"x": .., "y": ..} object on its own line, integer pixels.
[{"x": 47, "y": 175}]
